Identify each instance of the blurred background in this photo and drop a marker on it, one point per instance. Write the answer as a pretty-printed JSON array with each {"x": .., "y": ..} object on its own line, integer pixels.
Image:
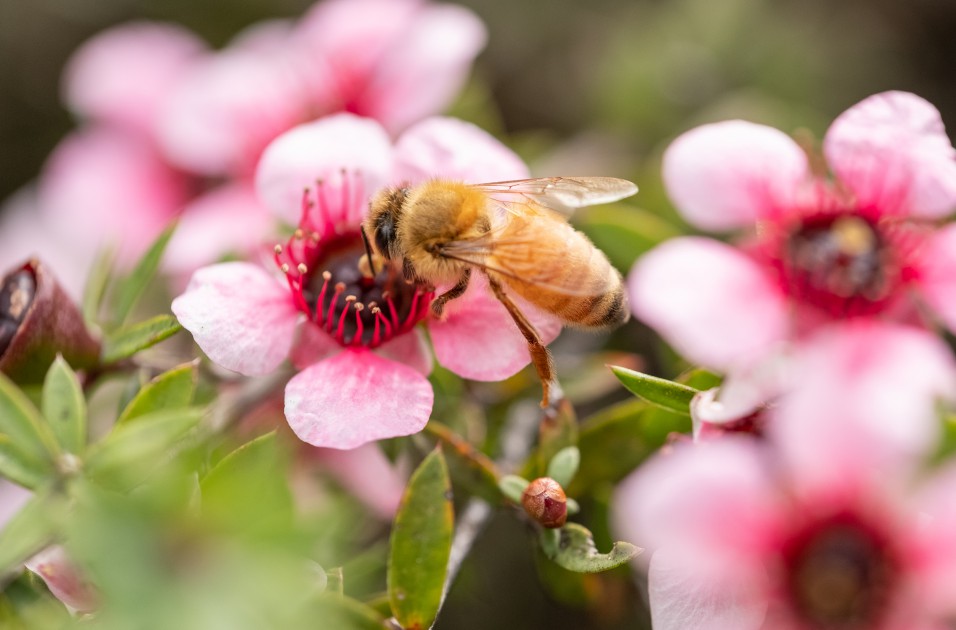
[{"x": 575, "y": 89}]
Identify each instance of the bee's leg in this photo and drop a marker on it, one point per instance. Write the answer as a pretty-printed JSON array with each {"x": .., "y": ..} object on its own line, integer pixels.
[
  {"x": 540, "y": 356},
  {"x": 438, "y": 304}
]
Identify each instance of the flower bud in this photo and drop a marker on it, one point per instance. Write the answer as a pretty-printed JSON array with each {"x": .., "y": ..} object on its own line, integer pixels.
[
  {"x": 37, "y": 321},
  {"x": 544, "y": 501}
]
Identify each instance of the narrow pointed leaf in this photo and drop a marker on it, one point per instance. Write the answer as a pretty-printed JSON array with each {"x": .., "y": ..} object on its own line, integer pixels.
[
  {"x": 19, "y": 468},
  {"x": 575, "y": 551},
  {"x": 420, "y": 545},
  {"x": 64, "y": 407},
  {"x": 657, "y": 391},
  {"x": 31, "y": 529},
  {"x": 564, "y": 465},
  {"x": 128, "y": 290},
  {"x": 132, "y": 450},
  {"x": 30, "y": 443},
  {"x": 127, "y": 341},
  {"x": 170, "y": 390},
  {"x": 96, "y": 284}
]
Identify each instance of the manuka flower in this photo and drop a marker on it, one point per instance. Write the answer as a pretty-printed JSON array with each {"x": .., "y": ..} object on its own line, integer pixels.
[
  {"x": 828, "y": 523},
  {"x": 860, "y": 245},
  {"x": 357, "y": 339}
]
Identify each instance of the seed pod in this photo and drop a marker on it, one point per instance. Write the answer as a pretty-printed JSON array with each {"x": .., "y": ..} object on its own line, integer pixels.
[
  {"x": 37, "y": 321},
  {"x": 544, "y": 501}
]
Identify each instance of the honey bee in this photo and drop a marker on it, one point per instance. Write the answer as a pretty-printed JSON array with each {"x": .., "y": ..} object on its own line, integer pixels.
[{"x": 515, "y": 233}]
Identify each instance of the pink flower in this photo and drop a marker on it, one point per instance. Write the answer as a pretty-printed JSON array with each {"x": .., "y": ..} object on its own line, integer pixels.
[
  {"x": 862, "y": 245},
  {"x": 397, "y": 61},
  {"x": 362, "y": 355},
  {"x": 823, "y": 525}
]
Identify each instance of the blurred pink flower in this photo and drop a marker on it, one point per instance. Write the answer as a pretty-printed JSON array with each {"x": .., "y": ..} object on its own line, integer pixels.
[
  {"x": 862, "y": 245},
  {"x": 363, "y": 359},
  {"x": 826, "y": 524},
  {"x": 397, "y": 61}
]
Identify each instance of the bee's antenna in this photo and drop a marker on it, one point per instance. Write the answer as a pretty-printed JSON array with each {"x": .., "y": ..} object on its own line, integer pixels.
[{"x": 368, "y": 252}]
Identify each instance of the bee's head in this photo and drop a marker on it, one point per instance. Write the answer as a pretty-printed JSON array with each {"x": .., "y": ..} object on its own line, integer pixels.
[{"x": 385, "y": 211}]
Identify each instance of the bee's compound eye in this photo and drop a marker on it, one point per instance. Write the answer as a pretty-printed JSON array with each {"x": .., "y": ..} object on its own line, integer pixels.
[{"x": 385, "y": 234}]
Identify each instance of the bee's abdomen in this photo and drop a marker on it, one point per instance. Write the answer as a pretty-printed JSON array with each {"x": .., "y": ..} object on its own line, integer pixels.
[{"x": 574, "y": 281}]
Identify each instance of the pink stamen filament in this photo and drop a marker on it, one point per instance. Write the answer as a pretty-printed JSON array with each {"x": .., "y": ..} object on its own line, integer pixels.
[
  {"x": 339, "y": 289},
  {"x": 359, "y": 326}
]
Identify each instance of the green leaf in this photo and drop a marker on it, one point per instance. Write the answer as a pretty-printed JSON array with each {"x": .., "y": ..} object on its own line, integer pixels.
[
  {"x": 17, "y": 467},
  {"x": 131, "y": 451},
  {"x": 513, "y": 486},
  {"x": 29, "y": 446},
  {"x": 127, "y": 341},
  {"x": 420, "y": 545},
  {"x": 247, "y": 491},
  {"x": 657, "y": 391},
  {"x": 96, "y": 283},
  {"x": 128, "y": 290},
  {"x": 64, "y": 406},
  {"x": 556, "y": 431},
  {"x": 170, "y": 390},
  {"x": 31, "y": 529},
  {"x": 564, "y": 465},
  {"x": 575, "y": 551}
]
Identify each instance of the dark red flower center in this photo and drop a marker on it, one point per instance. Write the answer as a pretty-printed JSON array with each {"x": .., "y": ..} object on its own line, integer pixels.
[
  {"x": 331, "y": 281},
  {"x": 840, "y": 575},
  {"x": 841, "y": 264}
]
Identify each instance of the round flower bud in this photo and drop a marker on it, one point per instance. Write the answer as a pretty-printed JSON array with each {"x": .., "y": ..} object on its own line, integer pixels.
[{"x": 544, "y": 501}]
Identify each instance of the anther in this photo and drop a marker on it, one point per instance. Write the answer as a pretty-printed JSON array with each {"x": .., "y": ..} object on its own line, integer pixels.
[
  {"x": 278, "y": 249},
  {"x": 299, "y": 234},
  {"x": 284, "y": 267},
  {"x": 302, "y": 268}
]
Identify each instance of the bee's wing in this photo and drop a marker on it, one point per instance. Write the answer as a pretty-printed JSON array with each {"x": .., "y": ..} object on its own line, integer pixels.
[
  {"x": 561, "y": 194},
  {"x": 516, "y": 249}
]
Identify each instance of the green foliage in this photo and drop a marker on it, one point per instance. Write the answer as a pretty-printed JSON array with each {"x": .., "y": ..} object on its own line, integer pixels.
[
  {"x": 513, "y": 487},
  {"x": 32, "y": 528},
  {"x": 27, "y": 446},
  {"x": 420, "y": 545},
  {"x": 170, "y": 390},
  {"x": 128, "y": 290},
  {"x": 128, "y": 340},
  {"x": 657, "y": 391},
  {"x": 572, "y": 547},
  {"x": 64, "y": 407},
  {"x": 564, "y": 465}
]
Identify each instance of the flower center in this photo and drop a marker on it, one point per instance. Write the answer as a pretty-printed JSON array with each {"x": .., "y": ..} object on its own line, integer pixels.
[
  {"x": 323, "y": 262},
  {"x": 840, "y": 576},
  {"x": 841, "y": 264}
]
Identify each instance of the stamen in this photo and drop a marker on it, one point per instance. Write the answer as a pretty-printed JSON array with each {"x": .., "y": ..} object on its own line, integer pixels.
[
  {"x": 284, "y": 267},
  {"x": 319, "y": 313},
  {"x": 340, "y": 328},
  {"x": 278, "y": 250},
  {"x": 302, "y": 268},
  {"x": 339, "y": 289},
  {"x": 359, "y": 325}
]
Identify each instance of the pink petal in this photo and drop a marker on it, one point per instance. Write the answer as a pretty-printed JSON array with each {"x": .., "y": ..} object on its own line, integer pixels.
[
  {"x": 313, "y": 345},
  {"x": 123, "y": 75},
  {"x": 872, "y": 389},
  {"x": 680, "y": 599},
  {"x": 239, "y": 315},
  {"x": 425, "y": 68},
  {"x": 453, "y": 149},
  {"x": 891, "y": 149},
  {"x": 103, "y": 187},
  {"x": 323, "y": 149},
  {"x": 228, "y": 108},
  {"x": 937, "y": 535},
  {"x": 477, "y": 339},
  {"x": 64, "y": 579},
  {"x": 226, "y": 220},
  {"x": 410, "y": 349},
  {"x": 708, "y": 300},
  {"x": 937, "y": 274},
  {"x": 357, "y": 397},
  {"x": 367, "y": 474},
  {"x": 727, "y": 175},
  {"x": 709, "y": 503}
]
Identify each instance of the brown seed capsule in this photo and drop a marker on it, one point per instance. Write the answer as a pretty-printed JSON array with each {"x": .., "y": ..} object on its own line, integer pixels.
[
  {"x": 544, "y": 501},
  {"x": 38, "y": 321}
]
